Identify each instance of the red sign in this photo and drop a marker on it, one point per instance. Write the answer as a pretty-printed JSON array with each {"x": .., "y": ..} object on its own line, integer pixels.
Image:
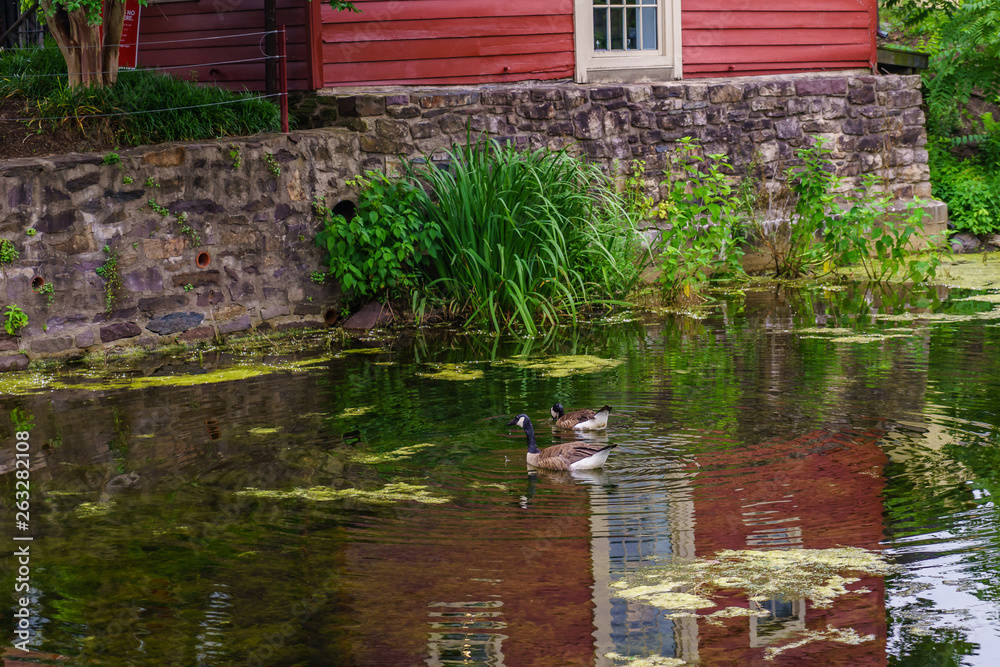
[{"x": 128, "y": 53}]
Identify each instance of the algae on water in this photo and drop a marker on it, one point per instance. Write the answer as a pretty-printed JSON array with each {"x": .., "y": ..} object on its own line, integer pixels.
[
  {"x": 648, "y": 661},
  {"x": 566, "y": 365},
  {"x": 389, "y": 494},
  {"x": 400, "y": 454},
  {"x": 459, "y": 372}
]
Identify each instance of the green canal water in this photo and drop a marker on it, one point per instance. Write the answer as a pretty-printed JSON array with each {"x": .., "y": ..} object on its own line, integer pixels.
[{"x": 370, "y": 505}]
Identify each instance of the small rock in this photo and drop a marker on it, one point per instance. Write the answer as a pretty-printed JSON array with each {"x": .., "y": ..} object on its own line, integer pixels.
[{"x": 965, "y": 242}]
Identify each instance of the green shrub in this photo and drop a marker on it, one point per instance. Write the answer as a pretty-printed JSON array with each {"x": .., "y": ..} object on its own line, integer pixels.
[
  {"x": 140, "y": 95},
  {"x": 16, "y": 318},
  {"x": 526, "y": 235},
  {"x": 703, "y": 239},
  {"x": 381, "y": 249},
  {"x": 971, "y": 189}
]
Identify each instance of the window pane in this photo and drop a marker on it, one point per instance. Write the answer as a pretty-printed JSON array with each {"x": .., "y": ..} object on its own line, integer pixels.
[
  {"x": 600, "y": 29},
  {"x": 649, "y": 2},
  {"x": 631, "y": 28},
  {"x": 600, "y": 2},
  {"x": 649, "y": 28},
  {"x": 618, "y": 29},
  {"x": 616, "y": 2}
]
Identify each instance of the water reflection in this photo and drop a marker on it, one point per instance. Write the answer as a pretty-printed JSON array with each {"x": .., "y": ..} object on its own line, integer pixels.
[{"x": 783, "y": 420}]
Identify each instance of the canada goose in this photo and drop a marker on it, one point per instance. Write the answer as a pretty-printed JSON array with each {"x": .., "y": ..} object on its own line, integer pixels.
[
  {"x": 581, "y": 420},
  {"x": 567, "y": 456}
]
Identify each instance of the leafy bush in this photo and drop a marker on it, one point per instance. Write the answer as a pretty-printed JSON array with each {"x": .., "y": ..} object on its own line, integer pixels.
[
  {"x": 704, "y": 236},
  {"x": 140, "y": 94},
  {"x": 526, "y": 234},
  {"x": 971, "y": 190},
  {"x": 380, "y": 250}
]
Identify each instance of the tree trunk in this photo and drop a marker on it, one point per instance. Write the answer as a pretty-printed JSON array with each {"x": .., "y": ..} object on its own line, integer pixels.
[
  {"x": 114, "y": 22},
  {"x": 88, "y": 61}
]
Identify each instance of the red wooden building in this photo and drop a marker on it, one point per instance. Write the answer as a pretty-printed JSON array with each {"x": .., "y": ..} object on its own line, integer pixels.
[{"x": 416, "y": 42}]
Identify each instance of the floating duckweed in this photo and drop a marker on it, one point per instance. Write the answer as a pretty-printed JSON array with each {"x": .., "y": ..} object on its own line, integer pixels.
[
  {"x": 831, "y": 634},
  {"x": 762, "y": 575},
  {"x": 566, "y": 365},
  {"x": 458, "y": 372},
  {"x": 649, "y": 661},
  {"x": 387, "y": 495},
  {"x": 489, "y": 485},
  {"x": 221, "y": 375},
  {"x": 869, "y": 337},
  {"x": 389, "y": 457},
  {"x": 92, "y": 510},
  {"x": 939, "y": 317},
  {"x": 839, "y": 331},
  {"x": 354, "y": 412},
  {"x": 260, "y": 430},
  {"x": 365, "y": 350}
]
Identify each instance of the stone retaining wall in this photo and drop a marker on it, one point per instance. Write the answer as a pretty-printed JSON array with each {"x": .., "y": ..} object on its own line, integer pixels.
[
  {"x": 873, "y": 123},
  {"x": 240, "y": 259},
  {"x": 217, "y": 237}
]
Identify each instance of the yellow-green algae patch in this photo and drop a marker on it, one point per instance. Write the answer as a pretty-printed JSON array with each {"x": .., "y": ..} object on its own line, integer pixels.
[
  {"x": 978, "y": 272},
  {"x": 848, "y": 636},
  {"x": 763, "y": 575},
  {"x": 229, "y": 374},
  {"x": 22, "y": 382},
  {"x": 398, "y": 492},
  {"x": 566, "y": 365},
  {"x": 869, "y": 337},
  {"x": 354, "y": 412},
  {"x": 260, "y": 430},
  {"x": 830, "y": 331},
  {"x": 92, "y": 510},
  {"x": 648, "y": 661},
  {"x": 365, "y": 350},
  {"x": 455, "y": 372},
  {"x": 390, "y": 457}
]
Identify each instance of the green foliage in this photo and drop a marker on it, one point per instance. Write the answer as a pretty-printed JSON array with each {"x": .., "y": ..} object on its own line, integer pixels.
[
  {"x": 318, "y": 277},
  {"x": 971, "y": 189},
  {"x": 47, "y": 290},
  {"x": 128, "y": 180},
  {"x": 234, "y": 154},
  {"x": 871, "y": 234},
  {"x": 188, "y": 230},
  {"x": 111, "y": 158},
  {"x": 380, "y": 250},
  {"x": 16, "y": 319},
  {"x": 272, "y": 164},
  {"x": 113, "y": 286},
  {"x": 31, "y": 231},
  {"x": 22, "y": 419},
  {"x": 703, "y": 238},
  {"x": 813, "y": 182},
  {"x": 526, "y": 235},
  {"x": 139, "y": 95},
  {"x": 964, "y": 41},
  {"x": 157, "y": 208},
  {"x": 188, "y": 287},
  {"x": 8, "y": 251}
]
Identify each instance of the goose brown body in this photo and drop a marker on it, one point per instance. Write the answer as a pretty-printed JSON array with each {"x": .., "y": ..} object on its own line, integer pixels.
[
  {"x": 577, "y": 455},
  {"x": 581, "y": 420}
]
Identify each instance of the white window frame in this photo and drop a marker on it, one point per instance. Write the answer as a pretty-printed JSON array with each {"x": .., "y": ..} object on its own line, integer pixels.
[{"x": 644, "y": 66}]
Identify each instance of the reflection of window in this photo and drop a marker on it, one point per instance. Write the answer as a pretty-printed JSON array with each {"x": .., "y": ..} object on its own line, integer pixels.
[{"x": 625, "y": 25}]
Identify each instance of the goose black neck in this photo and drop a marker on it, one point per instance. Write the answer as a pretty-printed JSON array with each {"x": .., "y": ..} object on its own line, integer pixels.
[{"x": 529, "y": 432}]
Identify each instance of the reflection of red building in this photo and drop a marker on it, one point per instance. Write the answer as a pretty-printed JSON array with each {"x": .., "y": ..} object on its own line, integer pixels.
[
  {"x": 502, "y": 585},
  {"x": 817, "y": 491}
]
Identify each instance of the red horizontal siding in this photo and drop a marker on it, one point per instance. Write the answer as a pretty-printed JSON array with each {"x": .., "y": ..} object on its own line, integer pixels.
[
  {"x": 446, "y": 41},
  {"x": 183, "y": 36},
  {"x": 738, "y": 37}
]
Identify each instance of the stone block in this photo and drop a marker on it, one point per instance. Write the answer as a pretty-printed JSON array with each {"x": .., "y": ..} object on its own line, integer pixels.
[
  {"x": 725, "y": 93},
  {"x": 862, "y": 94},
  {"x": 85, "y": 181},
  {"x": 197, "y": 279},
  {"x": 8, "y": 343},
  {"x": 360, "y": 105},
  {"x": 776, "y": 89},
  {"x": 77, "y": 244},
  {"x": 51, "y": 345},
  {"x": 588, "y": 124},
  {"x": 166, "y": 302},
  {"x": 53, "y": 223},
  {"x": 14, "y": 362},
  {"x": 168, "y": 157},
  {"x": 903, "y": 98},
  {"x": 148, "y": 280},
  {"x": 442, "y": 100},
  {"x": 407, "y": 111},
  {"x": 788, "y": 128},
  {"x": 173, "y": 323},
  {"x": 84, "y": 338},
  {"x": 120, "y": 314},
  {"x": 241, "y": 323},
  {"x": 605, "y": 93},
  {"x": 199, "y": 333},
  {"x": 119, "y": 330},
  {"x": 164, "y": 248},
  {"x": 537, "y": 111},
  {"x": 824, "y": 85},
  {"x": 424, "y": 130}
]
